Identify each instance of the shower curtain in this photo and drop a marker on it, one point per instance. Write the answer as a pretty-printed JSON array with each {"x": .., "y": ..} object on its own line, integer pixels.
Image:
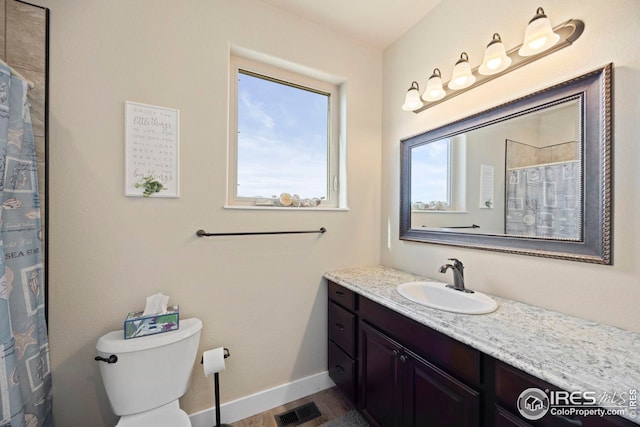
[
  {"x": 25, "y": 377},
  {"x": 544, "y": 201}
]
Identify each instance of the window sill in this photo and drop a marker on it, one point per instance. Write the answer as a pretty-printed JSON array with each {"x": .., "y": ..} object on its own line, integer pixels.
[{"x": 280, "y": 208}]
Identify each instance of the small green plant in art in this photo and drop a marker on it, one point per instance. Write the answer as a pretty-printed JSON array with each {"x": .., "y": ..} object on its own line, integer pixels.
[{"x": 150, "y": 186}]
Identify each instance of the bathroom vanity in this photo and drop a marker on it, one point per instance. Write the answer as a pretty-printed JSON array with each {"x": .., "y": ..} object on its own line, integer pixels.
[{"x": 403, "y": 364}]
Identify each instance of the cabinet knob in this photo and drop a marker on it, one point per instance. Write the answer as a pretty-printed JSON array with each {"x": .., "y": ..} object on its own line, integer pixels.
[
  {"x": 403, "y": 358},
  {"x": 396, "y": 353},
  {"x": 340, "y": 327}
]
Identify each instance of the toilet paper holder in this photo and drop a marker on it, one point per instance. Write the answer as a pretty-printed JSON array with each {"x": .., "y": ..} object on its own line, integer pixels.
[
  {"x": 225, "y": 351},
  {"x": 216, "y": 387}
]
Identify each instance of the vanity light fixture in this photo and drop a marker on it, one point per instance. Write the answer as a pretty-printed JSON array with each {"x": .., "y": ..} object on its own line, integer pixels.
[
  {"x": 434, "y": 90},
  {"x": 462, "y": 76},
  {"x": 540, "y": 40},
  {"x": 495, "y": 57},
  {"x": 538, "y": 36},
  {"x": 412, "y": 99}
]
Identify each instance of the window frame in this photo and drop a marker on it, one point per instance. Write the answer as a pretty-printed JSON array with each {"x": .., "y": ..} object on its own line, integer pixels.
[{"x": 336, "y": 194}]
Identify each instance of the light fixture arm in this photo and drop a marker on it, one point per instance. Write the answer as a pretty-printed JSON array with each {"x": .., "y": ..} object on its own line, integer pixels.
[
  {"x": 495, "y": 39},
  {"x": 539, "y": 14},
  {"x": 464, "y": 57},
  {"x": 568, "y": 31}
]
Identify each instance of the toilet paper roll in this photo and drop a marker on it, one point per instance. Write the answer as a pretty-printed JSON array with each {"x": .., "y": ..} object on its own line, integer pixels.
[{"x": 213, "y": 361}]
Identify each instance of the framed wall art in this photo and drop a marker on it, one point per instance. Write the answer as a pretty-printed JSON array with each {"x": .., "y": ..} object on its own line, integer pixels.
[{"x": 152, "y": 150}]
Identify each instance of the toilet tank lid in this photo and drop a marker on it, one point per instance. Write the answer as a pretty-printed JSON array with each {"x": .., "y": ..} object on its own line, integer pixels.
[{"x": 114, "y": 342}]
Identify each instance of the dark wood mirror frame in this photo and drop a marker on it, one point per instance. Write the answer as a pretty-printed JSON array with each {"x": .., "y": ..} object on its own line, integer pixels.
[{"x": 594, "y": 89}]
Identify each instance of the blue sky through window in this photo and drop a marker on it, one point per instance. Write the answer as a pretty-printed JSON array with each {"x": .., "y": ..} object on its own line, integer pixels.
[
  {"x": 429, "y": 172},
  {"x": 282, "y": 139}
]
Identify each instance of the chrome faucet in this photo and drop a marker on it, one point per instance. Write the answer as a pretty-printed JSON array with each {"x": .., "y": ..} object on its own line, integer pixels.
[{"x": 458, "y": 275}]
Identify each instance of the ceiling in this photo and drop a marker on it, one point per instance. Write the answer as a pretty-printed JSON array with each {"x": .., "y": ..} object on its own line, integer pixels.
[{"x": 375, "y": 22}]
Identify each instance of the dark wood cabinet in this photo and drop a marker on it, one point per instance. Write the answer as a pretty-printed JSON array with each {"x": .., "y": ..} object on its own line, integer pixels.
[
  {"x": 400, "y": 373},
  {"x": 399, "y": 388},
  {"x": 434, "y": 398},
  {"x": 504, "y": 418},
  {"x": 380, "y": 396},
  {"x": 511, "y": 382},
  {"x": 342, "y": 332}
]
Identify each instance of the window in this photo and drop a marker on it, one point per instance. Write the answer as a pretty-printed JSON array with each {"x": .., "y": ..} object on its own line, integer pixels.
[
  {"x": 438, "y": 179},
  {"x": 284, "y": 137},
  {"x": 431, "y": 175}
]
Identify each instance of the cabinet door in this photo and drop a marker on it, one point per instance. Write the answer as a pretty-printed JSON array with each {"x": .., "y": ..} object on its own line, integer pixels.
[
  {"x": 434, "y": 398},
  {"x": 380, "y": 397}
]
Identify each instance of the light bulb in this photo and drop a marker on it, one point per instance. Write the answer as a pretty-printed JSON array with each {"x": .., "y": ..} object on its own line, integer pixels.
[
  {"x": 538, "y": 36},
  {"x": 494, "y": 63},
  {"x": 495, "y": 57},
  {"x": 462, "y": 76},
  {"x": 434, "y": 90},
  {"x": 537, "y": 43},
  {"x": 412, "y": 100}
]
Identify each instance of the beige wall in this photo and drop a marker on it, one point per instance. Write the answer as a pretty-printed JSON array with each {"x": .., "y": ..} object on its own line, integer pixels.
[
  {"x": 607, "y": 294},
  {"x": 263, "y": 296}
]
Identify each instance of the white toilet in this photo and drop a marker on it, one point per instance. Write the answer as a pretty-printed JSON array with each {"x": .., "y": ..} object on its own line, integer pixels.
[{"x": 150, "y": 374}]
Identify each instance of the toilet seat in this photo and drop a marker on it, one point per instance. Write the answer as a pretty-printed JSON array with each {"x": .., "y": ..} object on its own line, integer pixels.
[{"x": 165, "y": 416}]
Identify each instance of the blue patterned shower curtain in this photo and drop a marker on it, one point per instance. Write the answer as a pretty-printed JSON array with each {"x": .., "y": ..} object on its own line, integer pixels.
[{"x": 25, "y": 377}]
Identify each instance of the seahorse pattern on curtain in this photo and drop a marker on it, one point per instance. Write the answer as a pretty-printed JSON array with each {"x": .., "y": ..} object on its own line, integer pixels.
[{"x": 25, "y": 377}]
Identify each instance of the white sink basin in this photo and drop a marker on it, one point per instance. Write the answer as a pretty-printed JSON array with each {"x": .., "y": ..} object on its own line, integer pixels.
[{"x": 437, "y": 295}]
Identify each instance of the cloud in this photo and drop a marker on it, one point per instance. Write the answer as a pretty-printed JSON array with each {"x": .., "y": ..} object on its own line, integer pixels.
[{"x": 256, "y": 111}]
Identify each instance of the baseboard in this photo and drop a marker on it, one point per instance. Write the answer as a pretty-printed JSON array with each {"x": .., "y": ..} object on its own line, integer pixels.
[{"x": 263, "y": 400}]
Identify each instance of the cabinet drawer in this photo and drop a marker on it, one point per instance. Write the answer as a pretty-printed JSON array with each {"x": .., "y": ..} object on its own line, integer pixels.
[
  {"x": 342, "y": 370},
  {"x": 342, "y": 328},
  {"x": 511, "y": 382},
  {"x": 342, "y": 296}
]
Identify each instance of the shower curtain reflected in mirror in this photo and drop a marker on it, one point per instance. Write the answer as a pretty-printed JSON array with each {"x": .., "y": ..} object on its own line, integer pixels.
[
  {"x": 25, "y": 377},
  {"x": 544, "y": 201}
]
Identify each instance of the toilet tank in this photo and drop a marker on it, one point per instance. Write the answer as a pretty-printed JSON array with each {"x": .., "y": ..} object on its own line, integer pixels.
[{"x": 151, "y": 371}]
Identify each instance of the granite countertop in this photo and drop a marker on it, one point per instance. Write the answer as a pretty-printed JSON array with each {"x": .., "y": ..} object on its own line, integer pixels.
[{"x": 568, "y": 352}]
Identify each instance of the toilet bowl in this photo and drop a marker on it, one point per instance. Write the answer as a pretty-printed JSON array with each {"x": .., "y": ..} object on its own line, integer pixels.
[{"x": 149, "y": 374}]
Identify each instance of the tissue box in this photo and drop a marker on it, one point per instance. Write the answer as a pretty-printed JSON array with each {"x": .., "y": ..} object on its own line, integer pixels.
[{"x": 136, "y": 325}]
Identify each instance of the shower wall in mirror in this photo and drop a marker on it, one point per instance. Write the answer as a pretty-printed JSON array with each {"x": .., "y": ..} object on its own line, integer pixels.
[{"x": 23, "y": 46}]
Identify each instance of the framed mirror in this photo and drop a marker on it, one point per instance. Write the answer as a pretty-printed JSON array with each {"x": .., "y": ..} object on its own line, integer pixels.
[{"x": 532, "y": 176}]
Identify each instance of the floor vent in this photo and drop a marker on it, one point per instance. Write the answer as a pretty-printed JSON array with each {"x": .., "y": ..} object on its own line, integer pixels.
[{"x": 298, "y": 415}]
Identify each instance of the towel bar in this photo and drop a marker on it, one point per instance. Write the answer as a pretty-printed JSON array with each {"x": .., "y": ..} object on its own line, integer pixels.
[{"x": 202, "y": 233}]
